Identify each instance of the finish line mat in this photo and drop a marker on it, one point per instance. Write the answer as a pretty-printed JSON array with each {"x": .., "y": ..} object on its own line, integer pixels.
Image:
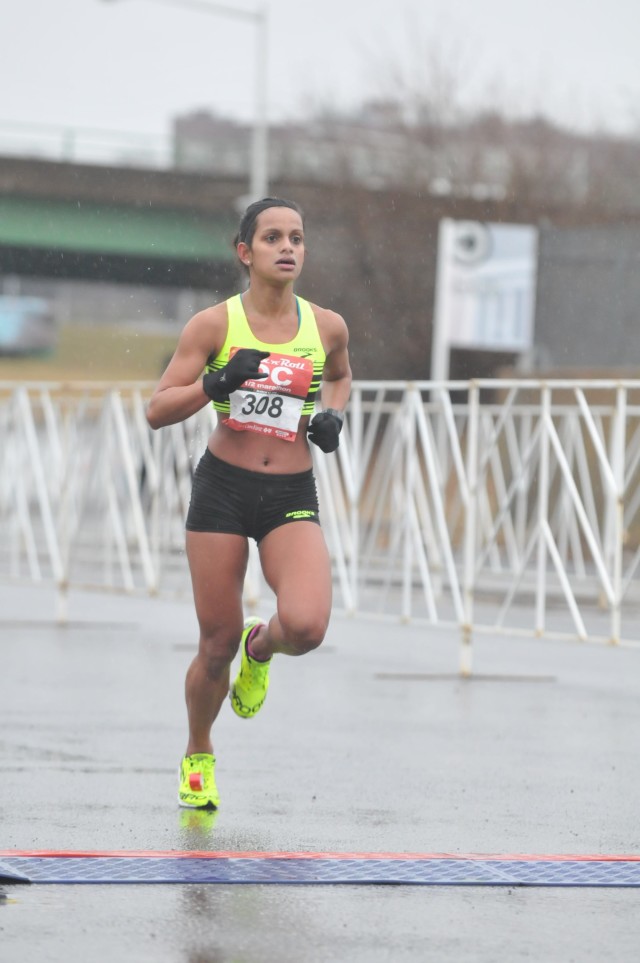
[{"x": 430, "y": 869}]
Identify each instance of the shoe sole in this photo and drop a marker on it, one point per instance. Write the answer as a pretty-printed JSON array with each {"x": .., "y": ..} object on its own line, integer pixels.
[{"x": 209, "y": 807}]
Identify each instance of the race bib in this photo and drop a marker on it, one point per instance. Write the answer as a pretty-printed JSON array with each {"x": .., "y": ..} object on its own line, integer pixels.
[{"x": 273, "y": 405}]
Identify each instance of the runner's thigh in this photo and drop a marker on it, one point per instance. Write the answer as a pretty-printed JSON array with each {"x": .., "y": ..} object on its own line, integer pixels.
[
  {"x": 218, "y": 564},
  {"x": 297, "y": 567}
]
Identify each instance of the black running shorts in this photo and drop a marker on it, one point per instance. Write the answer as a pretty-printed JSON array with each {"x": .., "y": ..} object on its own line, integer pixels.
[{"x": 235, "y": 501}]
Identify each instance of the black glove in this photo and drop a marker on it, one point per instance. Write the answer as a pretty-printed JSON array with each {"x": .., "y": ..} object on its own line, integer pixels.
[
  {"x": 244, "y": 365},
  {"x": 324, "y": 429}
]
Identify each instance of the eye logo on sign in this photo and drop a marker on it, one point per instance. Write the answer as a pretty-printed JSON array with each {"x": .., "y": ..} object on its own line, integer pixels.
[{"x": 472, "y": 242}]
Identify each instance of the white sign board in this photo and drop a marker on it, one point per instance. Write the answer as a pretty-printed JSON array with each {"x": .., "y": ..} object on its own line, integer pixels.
[{"x": 485, "y": 289}]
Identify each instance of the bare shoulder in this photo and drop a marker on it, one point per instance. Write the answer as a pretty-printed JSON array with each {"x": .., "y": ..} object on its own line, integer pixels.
[
  {"x": 208, "y": 326},
  {"x": 203, "y": 335},
  {"x": 332, "y": 327}
]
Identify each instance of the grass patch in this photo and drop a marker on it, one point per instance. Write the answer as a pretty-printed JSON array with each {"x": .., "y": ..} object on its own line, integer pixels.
[{"x": 95, "y": 353}]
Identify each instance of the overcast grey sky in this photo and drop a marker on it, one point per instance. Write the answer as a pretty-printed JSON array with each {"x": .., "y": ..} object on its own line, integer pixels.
[{"x": 132, "y": 65}]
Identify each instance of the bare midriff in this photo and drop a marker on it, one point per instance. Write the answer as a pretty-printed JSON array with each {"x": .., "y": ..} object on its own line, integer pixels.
[{"x": 253, "y": 452}]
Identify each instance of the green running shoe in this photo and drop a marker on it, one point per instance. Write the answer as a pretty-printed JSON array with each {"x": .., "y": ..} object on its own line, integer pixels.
[
  {"x": 197, "y": 782},
  {"x": 249, "y": 690}
]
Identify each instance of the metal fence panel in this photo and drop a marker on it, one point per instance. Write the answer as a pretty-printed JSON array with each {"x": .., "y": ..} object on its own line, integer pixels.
[{"x": 501, "y": 506}]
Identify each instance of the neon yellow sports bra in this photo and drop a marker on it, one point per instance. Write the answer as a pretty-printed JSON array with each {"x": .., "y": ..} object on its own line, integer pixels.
[{"x": 306, "y": 344}]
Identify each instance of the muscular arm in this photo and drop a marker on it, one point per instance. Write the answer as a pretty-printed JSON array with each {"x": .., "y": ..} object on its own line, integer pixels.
[
  {"x": 336, "y": 377},
  {"x": 179, "y": 393}
]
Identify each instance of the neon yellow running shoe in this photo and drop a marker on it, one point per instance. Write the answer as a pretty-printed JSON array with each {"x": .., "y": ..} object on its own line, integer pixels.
[
  {"x": 197, "y": 782},
  {"x": 249, "y": 690}
]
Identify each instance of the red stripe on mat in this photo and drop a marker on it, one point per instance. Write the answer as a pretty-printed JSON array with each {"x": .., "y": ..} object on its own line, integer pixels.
[{"x": 224, "y": 854}]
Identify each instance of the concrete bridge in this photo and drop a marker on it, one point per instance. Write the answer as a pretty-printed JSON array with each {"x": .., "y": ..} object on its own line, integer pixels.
[{"x": 62, "y": 220}]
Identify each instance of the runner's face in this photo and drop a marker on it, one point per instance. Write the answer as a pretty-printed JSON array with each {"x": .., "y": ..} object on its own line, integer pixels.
[{"x": 277, "y": 248}]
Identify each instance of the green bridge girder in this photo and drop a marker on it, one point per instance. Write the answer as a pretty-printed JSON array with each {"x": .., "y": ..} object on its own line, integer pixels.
[
  {"x": 91, "y": 239},
  {"x": 117, "y": 229}
]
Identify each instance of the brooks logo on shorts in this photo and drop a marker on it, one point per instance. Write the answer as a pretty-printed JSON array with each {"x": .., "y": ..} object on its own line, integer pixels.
[{"x": 301, "y": 514}]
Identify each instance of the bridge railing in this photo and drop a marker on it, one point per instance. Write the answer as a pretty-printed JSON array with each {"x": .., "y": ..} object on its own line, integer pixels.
[
  {"x": 86, "y": 145},
  {"x": 487, "y": 506}
]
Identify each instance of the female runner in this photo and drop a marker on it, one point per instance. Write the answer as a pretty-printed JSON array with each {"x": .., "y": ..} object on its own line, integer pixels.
[{"x": 266, "y": 354}]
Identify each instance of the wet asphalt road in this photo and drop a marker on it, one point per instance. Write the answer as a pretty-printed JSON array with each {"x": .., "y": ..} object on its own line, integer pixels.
[{"x": 372, "y": 743}]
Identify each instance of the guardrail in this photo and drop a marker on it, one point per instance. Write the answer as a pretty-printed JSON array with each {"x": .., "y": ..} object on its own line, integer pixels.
[
  {"x": 86, "y": 145},
  {"x": 501, "y": 506}
]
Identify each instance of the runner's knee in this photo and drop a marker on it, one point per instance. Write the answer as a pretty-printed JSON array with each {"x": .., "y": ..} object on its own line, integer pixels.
[
  {"x": 303, "y": 634},
  {"x": 218, "y": 648}
]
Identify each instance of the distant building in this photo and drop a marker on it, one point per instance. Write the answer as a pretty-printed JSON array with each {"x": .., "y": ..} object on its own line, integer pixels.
[
  {"x": 484, "y": 158},
  {"x": 373, "y": 149},
  {"x": 206, "y": 143}
]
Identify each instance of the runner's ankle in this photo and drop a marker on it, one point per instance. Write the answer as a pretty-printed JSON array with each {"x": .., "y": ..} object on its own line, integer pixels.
[{"x": 256, "y": 656}]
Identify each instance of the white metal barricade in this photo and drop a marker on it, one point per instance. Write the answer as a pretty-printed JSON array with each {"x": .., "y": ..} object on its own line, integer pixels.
[{"x": 502, "y": 506}]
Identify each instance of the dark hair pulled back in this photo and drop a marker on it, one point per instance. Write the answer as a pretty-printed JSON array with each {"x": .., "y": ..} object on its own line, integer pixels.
[{"x": 248, "y": 223}]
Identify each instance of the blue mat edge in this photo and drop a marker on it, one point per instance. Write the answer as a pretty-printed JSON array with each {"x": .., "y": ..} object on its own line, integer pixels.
[{"x": 368, "y": 872}]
